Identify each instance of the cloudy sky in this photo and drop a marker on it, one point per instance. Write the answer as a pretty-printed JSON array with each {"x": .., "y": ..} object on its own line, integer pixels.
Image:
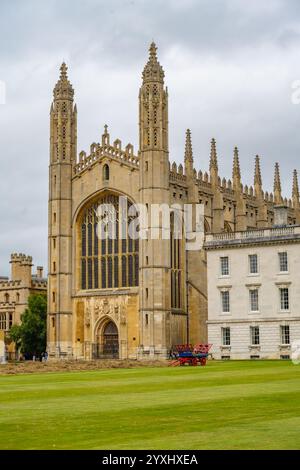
[{"x": 230, "y": 66}]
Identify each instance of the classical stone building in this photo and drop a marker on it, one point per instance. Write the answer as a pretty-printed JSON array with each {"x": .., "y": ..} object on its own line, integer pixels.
[
  {"x": 131, "y": 298},
  {"x": 14, "y": 292},
  {"x": 253, "y": 292}
]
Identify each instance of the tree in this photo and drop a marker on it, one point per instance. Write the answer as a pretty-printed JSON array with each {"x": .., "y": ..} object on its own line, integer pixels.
[
  {"x": 15, "y": 335},
  {"x": 33, "y": 329}
]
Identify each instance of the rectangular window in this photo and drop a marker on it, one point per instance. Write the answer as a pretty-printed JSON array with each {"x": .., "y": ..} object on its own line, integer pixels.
[
  {"x": 90, "y": 273},
  {"x": 124, "y": 276},
  {"x": 284, "y": 298},
  {"x": 254, "y": 335},
  {"x": 109, "y": 272},
  {"x": 225, "y": 301},
  {"x": 96, "y": 273},
  {"x": 283, "y": 262},
  {"x": 116, "y": 271},
  {"x": 224, "y": 265},
  {"x": 285, "y": 334},
  {"x": 90, "y": 239},
  {"x": 83, "y": 274},
  {"x": 226, "y": 336},
  {"x": 253, "y": 265},
  {"x": 103, "y": 272},
  {"x": 136, "y": 270},
  {"x": 253, "y": 293}
]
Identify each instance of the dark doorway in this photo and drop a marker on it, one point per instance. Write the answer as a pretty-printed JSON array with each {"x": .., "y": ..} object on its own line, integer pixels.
[
  {"x": 107, "y": 346},
  {"x": 110, "y": 340}
]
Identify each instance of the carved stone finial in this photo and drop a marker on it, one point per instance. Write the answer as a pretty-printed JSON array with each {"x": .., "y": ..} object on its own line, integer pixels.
[
  {"x": 153, "y": 71},
  {"x": 277, "y": 185}
]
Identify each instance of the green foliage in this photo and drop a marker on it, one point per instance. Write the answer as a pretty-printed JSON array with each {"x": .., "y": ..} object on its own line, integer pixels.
[
  {"x": 15, "y": 335},
  {"x": 33, "y": 327}
]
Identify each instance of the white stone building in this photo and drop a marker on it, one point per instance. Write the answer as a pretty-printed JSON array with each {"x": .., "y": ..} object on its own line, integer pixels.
[{"x": 254, "y": 292}]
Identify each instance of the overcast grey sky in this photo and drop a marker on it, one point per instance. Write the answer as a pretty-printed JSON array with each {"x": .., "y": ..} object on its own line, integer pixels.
[{"x": 229, "y": 68}]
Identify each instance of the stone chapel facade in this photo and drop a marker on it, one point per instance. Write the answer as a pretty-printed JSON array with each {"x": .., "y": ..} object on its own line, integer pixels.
[{"x": 135, "y": 298}]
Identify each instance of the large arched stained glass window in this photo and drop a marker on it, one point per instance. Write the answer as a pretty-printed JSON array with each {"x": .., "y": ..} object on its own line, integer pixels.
[
  {"x": 107, "y": 263},
  {"x": 176, "y": 267}
]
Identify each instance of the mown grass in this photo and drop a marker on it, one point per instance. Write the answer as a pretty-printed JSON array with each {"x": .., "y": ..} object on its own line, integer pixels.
[{"x": 225, "y": 405}]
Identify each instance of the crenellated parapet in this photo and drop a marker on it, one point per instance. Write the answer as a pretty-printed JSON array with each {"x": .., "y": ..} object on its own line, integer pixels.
[
  {"x": 9, "y": 284},
  {"x": 21, "y": 259},
  {"x": 39, "y": 284},
  {"x": 177, "y": 173},
  {"x": 106, "y": 149}
]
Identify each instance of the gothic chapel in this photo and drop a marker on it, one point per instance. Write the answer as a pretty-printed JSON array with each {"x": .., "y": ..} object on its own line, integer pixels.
[{"x": 128, "y": 298}]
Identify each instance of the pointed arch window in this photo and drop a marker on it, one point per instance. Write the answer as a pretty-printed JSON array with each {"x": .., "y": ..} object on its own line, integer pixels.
[
  {"x": 107, "y": 263},
  {"x": 176, "y": 266},
  {"x": 106, "y": 172}
]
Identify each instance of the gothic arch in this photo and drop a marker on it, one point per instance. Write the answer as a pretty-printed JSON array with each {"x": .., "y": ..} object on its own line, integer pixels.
[
  {"x": 227, "y": 227},
  {"x": 105, "y": 172},
  {"x": 106, "y": 338},
  {"x": 104, "y": 262},
  {"x": 206, "y": 226}
]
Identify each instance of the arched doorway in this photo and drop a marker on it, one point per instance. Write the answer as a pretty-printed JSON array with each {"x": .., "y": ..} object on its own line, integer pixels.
[
  {"x": 110, "y": 340},
  {"x": 107, "y": 346}
]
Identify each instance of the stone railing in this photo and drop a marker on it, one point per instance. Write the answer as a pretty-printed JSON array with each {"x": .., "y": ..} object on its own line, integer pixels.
[
  {"x": 274, "y": 232},
  {"x": 177, "y": 177}
]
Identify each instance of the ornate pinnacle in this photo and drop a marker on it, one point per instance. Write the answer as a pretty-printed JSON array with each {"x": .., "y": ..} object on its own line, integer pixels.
[
  {"x": 152, "y": 51},
  {"x": 153, "y": 71},
  {"x": 63, "y": 88},
  {"x": 63, "y": 71},
  {"x": 257, "y": 173},
  {"x": 295, "y": 194},
  {"x": 213, "y": 164},
  {"x": 236, "y": 172},
  {"x": 188, "y": 155},
  {"x": 277, "y": 185}
]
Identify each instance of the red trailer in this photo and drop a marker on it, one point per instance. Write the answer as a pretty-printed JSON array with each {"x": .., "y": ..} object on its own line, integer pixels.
[{"x": 189, "y": 354}]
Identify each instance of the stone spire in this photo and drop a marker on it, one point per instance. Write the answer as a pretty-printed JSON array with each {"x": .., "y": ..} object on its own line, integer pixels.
[
  {"x": 213, "y": 163},
  {"x": 63, "y": 89},
  {"x": 188, "y": 154},
  {"x": 295, "y": 193},
  {"x": 277, "y": 185},
  {"x": 257, "y": 178},
  {"x": 257, "y": 173},
  {"x": 236, "y": 172},
  {"x": 153, "y": 71}
]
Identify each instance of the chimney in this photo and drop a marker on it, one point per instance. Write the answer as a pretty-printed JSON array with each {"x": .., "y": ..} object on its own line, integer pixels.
[
  {"x": 39, "y": 272},
  {"x": 280, "y": 215}
]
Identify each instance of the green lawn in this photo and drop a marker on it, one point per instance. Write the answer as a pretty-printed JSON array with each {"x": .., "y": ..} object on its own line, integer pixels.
[{"x": 229, "y": 405}]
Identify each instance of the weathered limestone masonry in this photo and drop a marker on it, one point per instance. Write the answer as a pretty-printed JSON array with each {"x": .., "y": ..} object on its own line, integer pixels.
[
  {"x": 126, "y": 298},
  {"x": 14, "y": 292}
]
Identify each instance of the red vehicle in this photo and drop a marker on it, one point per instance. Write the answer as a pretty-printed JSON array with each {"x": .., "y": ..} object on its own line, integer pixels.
[{"x": 191, "y": 355}]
